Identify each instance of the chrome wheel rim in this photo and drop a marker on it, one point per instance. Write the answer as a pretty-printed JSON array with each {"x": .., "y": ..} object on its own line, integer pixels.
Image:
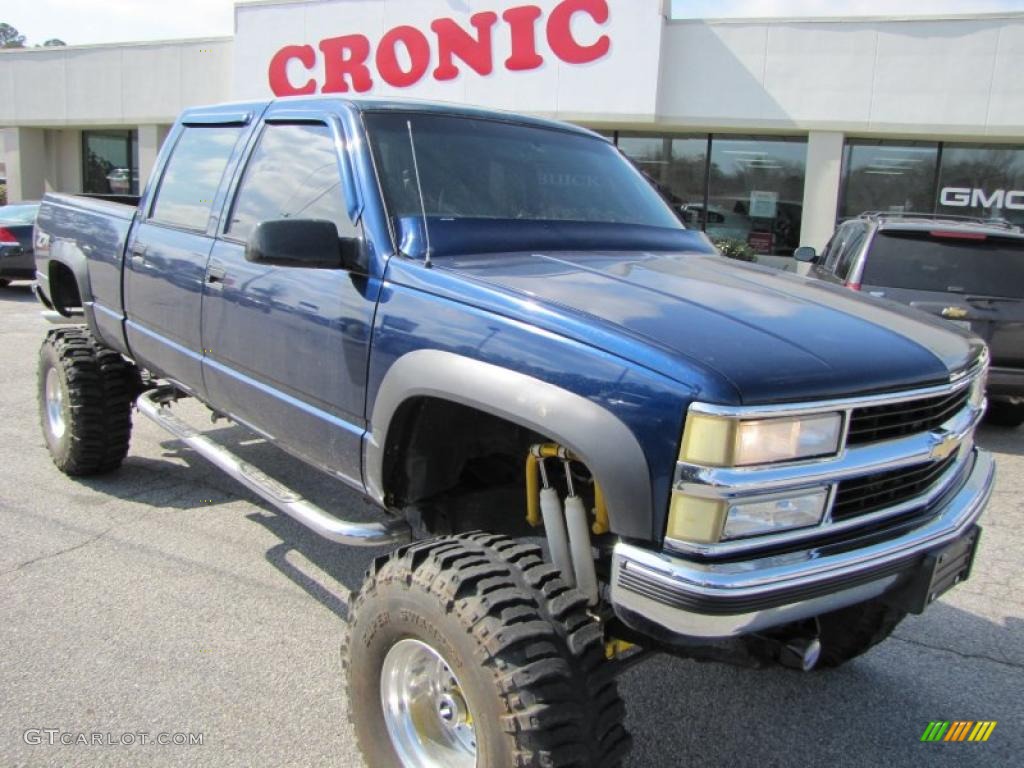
[
  {"x": 426, "y": 712},
  {"x": 54, "y": 404}
]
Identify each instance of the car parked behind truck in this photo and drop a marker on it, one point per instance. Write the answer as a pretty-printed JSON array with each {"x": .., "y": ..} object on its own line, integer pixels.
[
  {"x": 589, "y": 435},
  {"x": 969, "y": 271},
  {"x": 17, "y": 259}
]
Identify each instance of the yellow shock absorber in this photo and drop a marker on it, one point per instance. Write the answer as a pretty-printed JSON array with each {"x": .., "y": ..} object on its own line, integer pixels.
[
  {"x": 600, "y": 511},
  {"x": 614, "y": 647},
  {"x": 537, "y": 454},
  {"x": 532, "y": 490},
  {"x": 551, "y": 451}
]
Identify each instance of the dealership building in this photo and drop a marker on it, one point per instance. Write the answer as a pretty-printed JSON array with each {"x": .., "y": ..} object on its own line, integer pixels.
[{"x": 765, "y": 131}]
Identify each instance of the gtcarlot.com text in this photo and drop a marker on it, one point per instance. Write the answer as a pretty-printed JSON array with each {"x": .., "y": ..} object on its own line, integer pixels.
[{"x": 57, "y": 737}]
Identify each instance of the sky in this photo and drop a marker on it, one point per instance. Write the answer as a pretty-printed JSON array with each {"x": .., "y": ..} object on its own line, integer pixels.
[
  {"x": 800, "y": 8},
  {"x": 108, "y": 21}
]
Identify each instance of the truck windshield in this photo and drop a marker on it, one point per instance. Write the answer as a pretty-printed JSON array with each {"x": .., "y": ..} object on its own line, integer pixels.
[
  {"x": 484, "y": 169},
  {"x": 919, "y": 261}
]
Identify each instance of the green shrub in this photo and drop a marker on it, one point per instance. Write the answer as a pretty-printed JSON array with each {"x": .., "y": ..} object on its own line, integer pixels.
[
  {"x": 3, "y": 194},
  {"x": 735, "y": 249}
]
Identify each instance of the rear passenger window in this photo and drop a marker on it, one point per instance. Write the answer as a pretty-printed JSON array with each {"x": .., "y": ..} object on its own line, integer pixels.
[
  {"x": 192, "y": 176},
  {"x": 835, "y": 246},
  {"x": 851, "y": 248},
  {"x": 293, "y": 174}
]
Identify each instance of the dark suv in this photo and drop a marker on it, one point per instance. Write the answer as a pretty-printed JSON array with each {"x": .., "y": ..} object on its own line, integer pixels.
[{"x": 968, "y": 271}]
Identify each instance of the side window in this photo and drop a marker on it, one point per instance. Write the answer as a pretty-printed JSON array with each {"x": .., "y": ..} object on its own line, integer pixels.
[
  {"x": 293, "y": 174},
  {"x": 849, "y": 252},
  {"x": 831, "y": 253},
  {"x": 193, "y": 174}
]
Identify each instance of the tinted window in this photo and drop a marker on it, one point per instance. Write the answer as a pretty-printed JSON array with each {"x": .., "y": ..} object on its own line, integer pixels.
[
  {"x": 757, "y": 192},
  {"x": 483, "y": 169},
  {"x": 982, "y": 181},
  {"x": 850, "y": 250},
  {"x": 892, "y": 177},
  {"x": 990, "y": 267},
  {"x": 193, "y": 175},
  {"x": 676, "y": 165},
  {"x": 293, "y": 174},
  {"x": 110, "y": 162},
  {"x": 834, "y": 247}
]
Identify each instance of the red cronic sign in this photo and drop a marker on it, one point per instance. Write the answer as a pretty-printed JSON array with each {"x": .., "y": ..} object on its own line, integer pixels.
[{"x": 352, "y": 62}]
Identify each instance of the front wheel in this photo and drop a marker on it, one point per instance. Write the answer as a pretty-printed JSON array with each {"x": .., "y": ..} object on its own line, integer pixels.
[{"x": 470, "y": 651}]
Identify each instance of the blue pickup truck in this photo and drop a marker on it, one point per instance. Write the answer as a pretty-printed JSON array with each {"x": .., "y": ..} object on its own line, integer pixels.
[{"x": 591, "y": 437}]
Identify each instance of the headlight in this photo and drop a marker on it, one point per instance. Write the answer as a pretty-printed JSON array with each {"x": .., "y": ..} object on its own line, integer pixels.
[
  {"x": 709, "y": 521},
  {"x": 718, "y": 441},
  {"x": 753, "y": 518}
]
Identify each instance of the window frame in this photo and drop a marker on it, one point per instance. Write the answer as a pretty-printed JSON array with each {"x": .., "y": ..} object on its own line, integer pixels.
[
  {"x": 131, "y": 135},
  {"x": 353, "y": 206},
  {"x": 756, "y": 142},
  {"x": 235, "y": 190},
  {"x": 154, "y": 199},
  {"x": 833, "y": 246},
  {"x": 852, "y": 142},
  {"x": 702, "y": 219},
  {"x": 853, "y": 247}
]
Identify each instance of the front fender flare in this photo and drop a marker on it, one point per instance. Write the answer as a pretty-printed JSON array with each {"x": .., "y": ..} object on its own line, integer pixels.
[{"x": 603, "y": 442}]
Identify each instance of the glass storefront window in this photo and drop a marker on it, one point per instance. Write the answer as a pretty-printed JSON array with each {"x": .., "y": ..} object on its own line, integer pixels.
[
  {"x": 111, "y": 162},
  {"x": 893, "y": 177},
  {"x": 676, "y": 165},
  {"x": 756, "y": 192},
  {"x": 979, "y": 180}
]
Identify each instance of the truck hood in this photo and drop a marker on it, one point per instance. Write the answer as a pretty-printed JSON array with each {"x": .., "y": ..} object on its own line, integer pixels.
[{"x": 773, "y": 336}]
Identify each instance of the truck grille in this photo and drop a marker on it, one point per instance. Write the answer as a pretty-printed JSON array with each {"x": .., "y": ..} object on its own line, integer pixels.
[
  {"x": 872, "y": 424},
  {"x": 864, "y": 495}
]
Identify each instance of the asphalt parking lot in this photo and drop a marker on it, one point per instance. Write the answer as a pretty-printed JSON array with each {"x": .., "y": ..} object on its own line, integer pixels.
[{"x": 165, "y": 599}]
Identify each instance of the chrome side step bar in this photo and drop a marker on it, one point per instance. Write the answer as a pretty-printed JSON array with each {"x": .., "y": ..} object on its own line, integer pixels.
[{"x": 154, "y": 405}]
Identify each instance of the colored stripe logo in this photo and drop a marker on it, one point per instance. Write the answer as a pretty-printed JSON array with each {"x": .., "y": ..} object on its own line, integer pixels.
[{"x": 958, "y": 730}]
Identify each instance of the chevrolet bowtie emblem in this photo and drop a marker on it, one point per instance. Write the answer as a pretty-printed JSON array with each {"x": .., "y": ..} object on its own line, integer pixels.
[
  {"x": 954, "y": 313},
  {"x": 944, "y": 447}
]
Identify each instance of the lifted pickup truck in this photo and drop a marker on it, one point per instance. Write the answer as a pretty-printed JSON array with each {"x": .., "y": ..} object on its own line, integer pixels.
[{"x": 591, "y": 435}]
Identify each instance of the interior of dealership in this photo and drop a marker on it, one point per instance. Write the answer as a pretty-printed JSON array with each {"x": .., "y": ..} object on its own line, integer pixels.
[{"x": 751, "y": 188}]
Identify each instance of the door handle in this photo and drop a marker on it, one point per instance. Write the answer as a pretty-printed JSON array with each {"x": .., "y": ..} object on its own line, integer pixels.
[
  {"x": 216, "y": 273},
  {"x": 138, "y": 252}
]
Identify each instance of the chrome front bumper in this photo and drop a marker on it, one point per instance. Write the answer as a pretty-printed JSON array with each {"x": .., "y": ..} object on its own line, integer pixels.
[{"x": 694, "y": 599}]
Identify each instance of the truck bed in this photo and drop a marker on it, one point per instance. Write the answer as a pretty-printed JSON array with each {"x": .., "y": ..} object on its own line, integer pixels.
[{"x": 87, "y": 236}]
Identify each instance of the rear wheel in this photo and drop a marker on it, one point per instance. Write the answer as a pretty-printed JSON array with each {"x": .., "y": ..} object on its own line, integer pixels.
[
  {"x": 1004, "y": 414},
  {"x": 85, "y": 400},
  {"x": 469, "y": 651}
]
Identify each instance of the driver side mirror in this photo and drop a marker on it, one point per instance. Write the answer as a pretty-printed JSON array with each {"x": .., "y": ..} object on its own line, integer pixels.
[
  {"x": 806, "y": 254},
  {"x": 310, "y": 243}
]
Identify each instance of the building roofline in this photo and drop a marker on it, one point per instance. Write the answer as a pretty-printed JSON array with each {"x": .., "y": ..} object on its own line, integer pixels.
[
  {"x": 900, "y": 18},
  {"x": 128, "y": 44}
]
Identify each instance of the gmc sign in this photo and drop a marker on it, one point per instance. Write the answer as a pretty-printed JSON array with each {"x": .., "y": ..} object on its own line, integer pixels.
[
  {"x": 965, "y": 197},
  {"x": 402, "y": 57}
]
